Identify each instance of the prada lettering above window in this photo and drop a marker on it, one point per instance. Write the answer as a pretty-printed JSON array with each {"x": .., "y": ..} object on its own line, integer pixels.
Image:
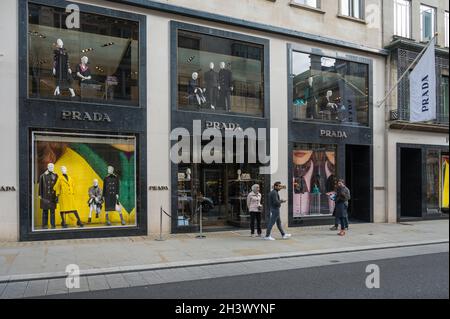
[
  {"x": 85, "y": 116},
  {"x": 96, "y": 60}
]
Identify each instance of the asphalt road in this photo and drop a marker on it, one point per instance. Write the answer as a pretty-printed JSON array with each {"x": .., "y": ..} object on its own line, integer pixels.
[{"x": 423, "y": 276}]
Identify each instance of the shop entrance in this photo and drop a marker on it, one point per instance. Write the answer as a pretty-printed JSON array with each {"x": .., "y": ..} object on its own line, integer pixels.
[
  {"x": 358, "y": 180},
  {"x": 410, "y": 182},
  {"x": 220, "y": 190}
]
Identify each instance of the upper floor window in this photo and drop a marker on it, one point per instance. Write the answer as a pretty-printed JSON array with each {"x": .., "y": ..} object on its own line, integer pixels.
[
  {"x": 309, "y": 3},
  {"x": 217, "y": 74},
  {"x": 352, "y": 8},
  {"x": 97, "y": 62},
  {"x": 427, "y": 22},
  {"x": 447, "y": 33},
  {"x": 330, "y": 90},
  {"x": 402, "y": 18}
]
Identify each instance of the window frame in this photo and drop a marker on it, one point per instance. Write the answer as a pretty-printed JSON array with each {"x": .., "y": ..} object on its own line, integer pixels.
[
  {"x": 434, "y": 22},
  {"x": 351, "y": 9},
  {"x": 409, "y": 26},
  {"x": 333, "y": 55}
]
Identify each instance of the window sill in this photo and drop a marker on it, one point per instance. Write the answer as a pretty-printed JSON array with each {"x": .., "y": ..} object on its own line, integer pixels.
[
  {"x": 362, "y": 21},
  {"x": 305, "y": 7}
]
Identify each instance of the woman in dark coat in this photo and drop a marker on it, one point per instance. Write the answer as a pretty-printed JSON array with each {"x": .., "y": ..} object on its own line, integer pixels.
[{"x": 342, "y": 198}]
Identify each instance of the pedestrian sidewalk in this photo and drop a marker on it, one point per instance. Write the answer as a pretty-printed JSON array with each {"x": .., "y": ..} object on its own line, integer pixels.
[{"x": 48, "y": 259}]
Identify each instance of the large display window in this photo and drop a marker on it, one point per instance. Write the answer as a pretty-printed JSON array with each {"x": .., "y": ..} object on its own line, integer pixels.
[
  {"x": 97, "y": 62},
  {"x": 314, "y": 179},
  {"x": 83, "y": 181},
  {"x": 219, "y": 74},
  {"x": 329, "y": 89}
]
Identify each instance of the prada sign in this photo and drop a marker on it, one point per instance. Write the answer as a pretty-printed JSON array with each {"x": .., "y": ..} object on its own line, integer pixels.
[
  {"x": 223, "y": 126},
  {"x": 158, "y": 188},
  {"x": 85, "y": 116},
  {"x": 333, "y": 134},
  {"x": 7, "y": 189}
]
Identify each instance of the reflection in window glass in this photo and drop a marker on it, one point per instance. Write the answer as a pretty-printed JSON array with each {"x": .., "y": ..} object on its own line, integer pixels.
[
  {"x": 427, "y": 22},
  {"x": 445, "y": 182},
  {"x": 310, "y": 3},
  {"x": 432, "y": 180},
  {"x": 96, "y": 63},
  {"x": 83, "y": 182},
  {"x": 314, "y": 179},
  {"x": 332, "y": 90},
  {"x": 219, "y": 74}
]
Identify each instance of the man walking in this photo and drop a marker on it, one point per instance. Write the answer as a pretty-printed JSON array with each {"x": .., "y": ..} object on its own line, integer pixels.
[
  {"x": 274, "y": 206},
  {"x": 342, "y": 198}
]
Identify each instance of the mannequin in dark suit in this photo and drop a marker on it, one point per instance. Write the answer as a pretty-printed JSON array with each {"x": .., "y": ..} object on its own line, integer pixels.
[{"x": 225, "y": 87}]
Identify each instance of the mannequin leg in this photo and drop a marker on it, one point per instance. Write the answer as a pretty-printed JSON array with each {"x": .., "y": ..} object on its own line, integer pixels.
[
  {"x": 45, "y": 218},
  {"x": 63, "y": 221},
  {"x": 121, "y": 219},
  {"x": 91, "y": 208},
  {"x": 72, "y": 92},
  {"x": 97, "y": 211},
  {"x": 79, "y": 223},
  {"x": 52, "y": 218},
  {"x": 57, "y": 92},
  {"x": 108, "y": 223}
]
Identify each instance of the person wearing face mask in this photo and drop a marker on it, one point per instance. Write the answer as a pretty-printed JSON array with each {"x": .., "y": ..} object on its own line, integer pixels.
[
  {"x": 65, "y": 190},
  {"x": 95, "y": 200},
  {"x": 47, "y": 195}
]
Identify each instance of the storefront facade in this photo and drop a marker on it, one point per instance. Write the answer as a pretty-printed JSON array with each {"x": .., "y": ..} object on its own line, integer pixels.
[
  {"x": 330, "y": 133},
  {"x": 142, "y": 72}
]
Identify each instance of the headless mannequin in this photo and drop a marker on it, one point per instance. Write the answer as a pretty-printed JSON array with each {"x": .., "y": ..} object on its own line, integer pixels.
[
  {"x": 83, "y": 72},
  {"x": 111, "y": 195},
  {"x": 95, "y": 200},
  {"x": 61, "y": 68},
  {"x": 196, "y": 90},
  {"x": 66, "y": 198},
  {"x": 212, "y": 86},
  {"x": 47, "y": 195},
  {"x": 311, "y": 100},
  {"x": 225, "y": 87}
]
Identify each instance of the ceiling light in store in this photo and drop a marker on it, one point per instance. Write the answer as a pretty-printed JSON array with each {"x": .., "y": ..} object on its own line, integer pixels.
[
  {"x": 108, "y": 44},
  {"x": 328, "y": 62},
  {"x": 87, "y": 50}
]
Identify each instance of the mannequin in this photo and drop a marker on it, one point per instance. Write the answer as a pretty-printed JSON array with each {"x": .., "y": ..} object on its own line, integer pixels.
[
  {"x": 65, "y": 190},
  {"x": 47, "y": 195},
  {"x": 61, "y": 69},
  {"x": 311, "y": 100},
  {"x": 225, "y": 87},
  {"x": 212, "y": 86},
  {"x": 95, "y": 200},
  {"x": 111, "y": 188},
  {"x": 303, "y": 172},
  {"x": 83, "y": 71},
  {"x": 195, "y": 91}
]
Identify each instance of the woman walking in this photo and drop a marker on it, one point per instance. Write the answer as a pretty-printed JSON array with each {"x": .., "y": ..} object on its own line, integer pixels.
[{"x": 255, "y": 209}]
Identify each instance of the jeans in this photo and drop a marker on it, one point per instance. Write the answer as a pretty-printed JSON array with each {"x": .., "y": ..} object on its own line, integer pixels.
[
  {"x": 45, "y": 217},
  {"x": 274, "y": 218},
  {"x": 338, "y": 221},
  {"x": 255, "y": 216}
]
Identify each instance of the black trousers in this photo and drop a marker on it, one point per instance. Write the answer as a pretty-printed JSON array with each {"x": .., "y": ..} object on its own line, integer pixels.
[
  {"x": 255, "y": 216},
  {"x": 45, "y": 217}
]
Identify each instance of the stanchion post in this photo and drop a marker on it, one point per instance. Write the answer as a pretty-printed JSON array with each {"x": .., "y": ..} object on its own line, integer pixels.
[
  {"x": 160, "y": 225},
  {"x": 201, "y": 223}
]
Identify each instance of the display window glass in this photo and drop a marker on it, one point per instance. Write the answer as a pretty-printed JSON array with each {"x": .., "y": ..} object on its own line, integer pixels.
[
  {"x": 329, "y": 89},
  {"x": 219, "y": 74},
  {"x": 97, "y": 62},
  {"x": 83, "y": 181},
  {"x": 445, "y": 182},
  {"x": 314, "y": 179},
  {"x": 432, "y": 181}
]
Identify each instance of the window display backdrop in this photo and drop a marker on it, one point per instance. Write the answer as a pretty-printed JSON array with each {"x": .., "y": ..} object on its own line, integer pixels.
[
  {"x": 83, "y": 181},
  {"x": 445, "y": 181},
  {"x": 329, "y": 89},
  {"x": 314, "y": 179},
  {"x": 98, "y": 62},
  {"x": 220, "y": 75}
]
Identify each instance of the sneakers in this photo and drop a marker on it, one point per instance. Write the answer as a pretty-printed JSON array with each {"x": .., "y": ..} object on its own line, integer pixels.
[
  {"x": 341, "y": 233},
  {"x": 269, "y": 238},
  {"x": 287, "y": 236},
  {"x": 334, "y": 228}
]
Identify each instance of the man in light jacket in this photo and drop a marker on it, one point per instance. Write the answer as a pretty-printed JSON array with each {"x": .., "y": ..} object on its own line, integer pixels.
[{"x": 255, "y": 210}]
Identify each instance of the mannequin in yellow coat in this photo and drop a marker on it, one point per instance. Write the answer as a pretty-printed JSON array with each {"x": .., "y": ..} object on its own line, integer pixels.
[{"x": 65, "y": 192}]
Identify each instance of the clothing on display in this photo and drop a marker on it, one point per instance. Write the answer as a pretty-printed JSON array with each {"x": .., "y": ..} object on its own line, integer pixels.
[
  {"x": 445, "y": 182},
  {"x": 65, "y": 190},
  {"x": 95, "y": 201},
  {"x": 62, "y": 66},
  {"x": 195, "y": 92},
  {"x": 225, "y": 88},
  {"x": 212, "y": 87},
  {"x": 111, "y": 192},
  {"x": 47, "y": 197},
  {"x": 84, "y": 70}
]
